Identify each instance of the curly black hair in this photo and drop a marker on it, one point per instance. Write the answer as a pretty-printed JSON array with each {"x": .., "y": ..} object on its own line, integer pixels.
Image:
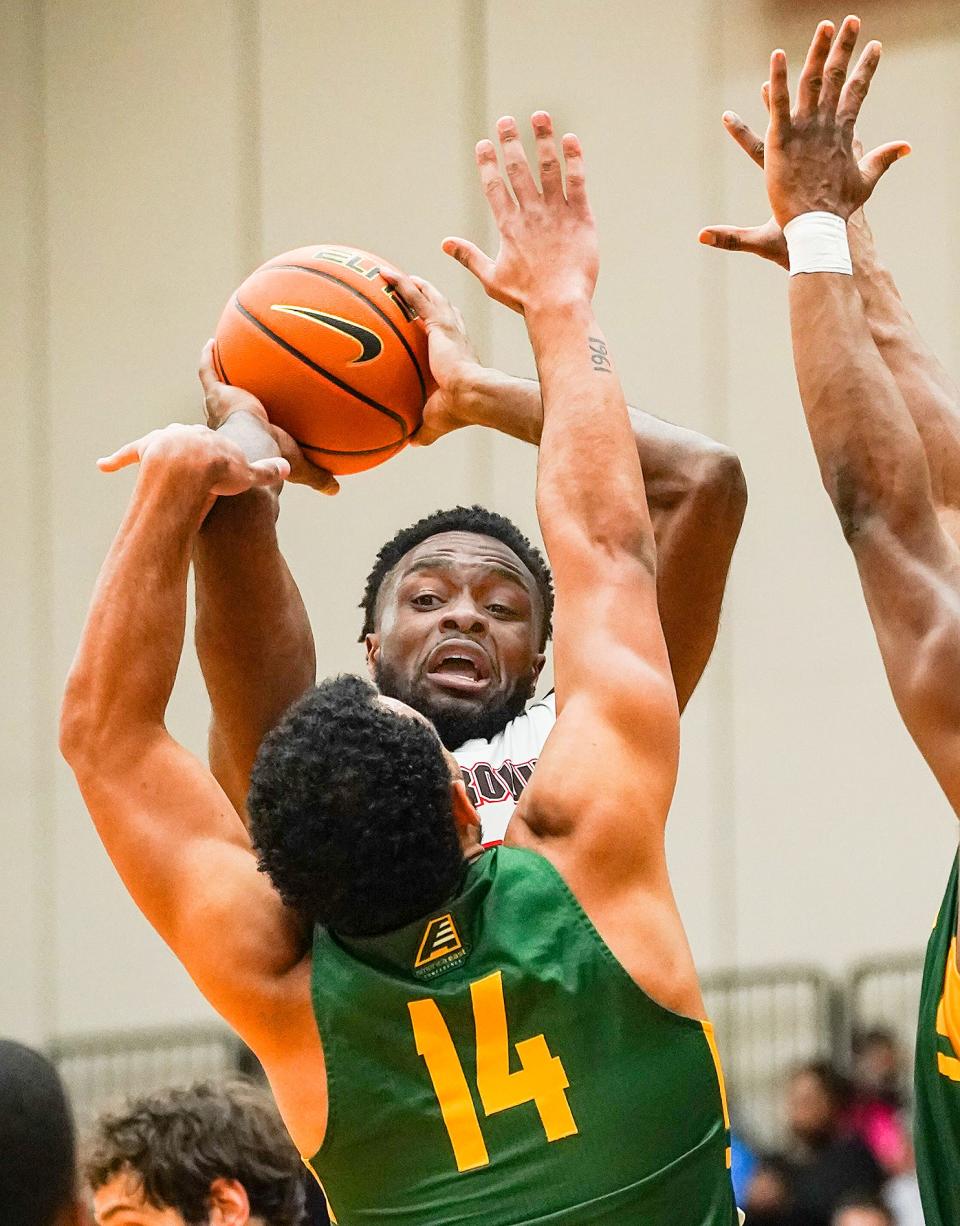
[
  {"x": 350, "y": 812},
  {"x": 176, "y": 1142},
  {"x": 459, "y": 519}
]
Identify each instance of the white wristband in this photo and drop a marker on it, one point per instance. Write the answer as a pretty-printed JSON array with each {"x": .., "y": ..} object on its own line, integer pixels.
[{"x": 817, "y": 242}]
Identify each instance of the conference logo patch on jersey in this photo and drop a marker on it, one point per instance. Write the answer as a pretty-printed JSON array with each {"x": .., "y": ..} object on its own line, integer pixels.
[{"x": 441, "y": 948}]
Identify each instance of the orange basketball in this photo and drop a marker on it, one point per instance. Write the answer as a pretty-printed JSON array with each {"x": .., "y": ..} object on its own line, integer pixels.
[{"x": 336, "y": 357}]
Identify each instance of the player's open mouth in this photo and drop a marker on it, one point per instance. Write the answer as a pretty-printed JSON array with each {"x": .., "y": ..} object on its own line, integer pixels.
[{"x": 460, "y": 666}]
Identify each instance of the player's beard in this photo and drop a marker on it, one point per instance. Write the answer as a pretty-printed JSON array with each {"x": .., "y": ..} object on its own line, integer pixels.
[{"x": 456, "y": 722}]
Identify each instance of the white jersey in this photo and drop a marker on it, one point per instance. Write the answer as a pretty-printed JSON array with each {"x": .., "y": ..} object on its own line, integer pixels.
[{"x": 497, "y": 771}]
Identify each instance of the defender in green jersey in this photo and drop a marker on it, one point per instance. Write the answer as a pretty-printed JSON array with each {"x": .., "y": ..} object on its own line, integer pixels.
[
  {"x": 937, "y": 1070},
  {"x": 453, "y": 1035},
  {"x": 884, "y": 417}
]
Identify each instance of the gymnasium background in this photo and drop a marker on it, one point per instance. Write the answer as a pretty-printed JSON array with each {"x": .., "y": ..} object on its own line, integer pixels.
[{"x": 155, "y": 151}]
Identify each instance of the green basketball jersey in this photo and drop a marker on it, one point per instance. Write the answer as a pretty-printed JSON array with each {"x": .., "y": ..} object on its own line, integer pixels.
[
  {"x": 493, "y": 1064},
  {"x": 937, "y": 1071}
]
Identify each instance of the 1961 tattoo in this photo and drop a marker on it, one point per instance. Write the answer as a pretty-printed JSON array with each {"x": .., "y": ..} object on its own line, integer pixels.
[{"x": 598, "y": 355}]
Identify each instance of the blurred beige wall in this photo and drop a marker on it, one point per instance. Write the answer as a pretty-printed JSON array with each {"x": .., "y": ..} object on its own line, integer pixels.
[{"x": 157, "y": 150}]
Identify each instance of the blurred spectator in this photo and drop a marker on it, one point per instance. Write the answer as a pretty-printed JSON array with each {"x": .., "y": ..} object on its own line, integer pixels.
[
  {"x": 876, "y": 1114},
  {"x": 863, "y": 1213},
  {"x": 38, "y": 1170},
  {"x": 185, "y": 1157},
  {"x": 823, "y": 1164},
  {"x": 768, "y": 1201},
  {"x": 878, "y": 1063}
]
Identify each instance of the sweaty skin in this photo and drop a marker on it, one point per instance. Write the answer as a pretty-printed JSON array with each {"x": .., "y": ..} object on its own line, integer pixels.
[
  {"x": 171, "y": 831},
  {"x": 253, "y": 636}
]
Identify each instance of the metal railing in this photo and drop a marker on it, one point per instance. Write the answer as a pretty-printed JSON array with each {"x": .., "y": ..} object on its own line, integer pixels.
[
  {"x": 100, "y": 1070},
  {"x": 885, "y": 992},
  {"x": 768, "y": 1020}
]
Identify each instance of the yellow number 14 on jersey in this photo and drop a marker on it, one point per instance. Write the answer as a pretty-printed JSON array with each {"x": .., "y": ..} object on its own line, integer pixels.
[{"x": 540, "y": 1080}]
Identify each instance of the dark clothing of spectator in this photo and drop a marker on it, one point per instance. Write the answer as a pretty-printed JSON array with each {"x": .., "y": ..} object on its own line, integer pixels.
[
  {"x": 316, "y": 1210},
  {"x": 818, "y": 1180}
]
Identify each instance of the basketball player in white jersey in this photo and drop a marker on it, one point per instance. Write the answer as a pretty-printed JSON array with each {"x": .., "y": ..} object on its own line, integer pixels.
[{"x": 457, "y": 607}]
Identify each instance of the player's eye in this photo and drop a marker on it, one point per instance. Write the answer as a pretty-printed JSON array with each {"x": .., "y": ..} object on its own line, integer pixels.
[
  {"x": 500, "y": 610},
  {"x": 426, "y": 600}
]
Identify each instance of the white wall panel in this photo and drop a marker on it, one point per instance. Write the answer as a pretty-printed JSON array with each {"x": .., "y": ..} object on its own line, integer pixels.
[
  {"x": 843, "y": 839},
  {"x": 26, "y": 749},
  {"x": 144, "y": 154},
  {"x": 364, "y": 124}
]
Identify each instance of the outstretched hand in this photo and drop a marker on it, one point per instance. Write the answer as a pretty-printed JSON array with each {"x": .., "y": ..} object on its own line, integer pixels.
[
  {"x": 548, "y": 242},
  {"x": 809, "y": 160},
  {"x": 768, "y": 240},
  {"x": 219, "y": 464}
]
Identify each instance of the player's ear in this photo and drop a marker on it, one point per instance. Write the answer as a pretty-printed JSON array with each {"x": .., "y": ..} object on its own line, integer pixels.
[
  {"x": 229, "y": 1203},
  {"x": 536, "y": 670},
  {"x": 464, "y": 814},
  {"x": 371, "y": 645}
]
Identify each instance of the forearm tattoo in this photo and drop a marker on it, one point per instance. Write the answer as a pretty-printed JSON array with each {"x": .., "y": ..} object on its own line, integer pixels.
[{"x": 598, "y": 355}]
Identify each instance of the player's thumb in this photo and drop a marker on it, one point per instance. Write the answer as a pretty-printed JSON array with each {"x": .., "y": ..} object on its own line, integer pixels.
[
  {"x": 270, "y": 471},
  {"x": 128, "y": 454},
  {"x": 207, "y": 371},
  {"x": 875, "y": 164},
  {"x": 733, "y": 238},
  {"x": 470, "y": 256}
]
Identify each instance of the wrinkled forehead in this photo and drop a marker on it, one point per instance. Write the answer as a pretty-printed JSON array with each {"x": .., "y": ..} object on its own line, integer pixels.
[{"x": 469, "y": 555}]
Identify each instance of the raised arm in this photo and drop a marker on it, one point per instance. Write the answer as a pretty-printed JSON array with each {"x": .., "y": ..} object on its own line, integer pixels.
[
  {"x": 930, "y": 393},
  {"x": 253, "y": 635},
  {"x": 870, "y": 453},
  {"x": 607, "y": 773},
  {"x": 173, "y": 836},
  {"x": 695, "y": 487}
]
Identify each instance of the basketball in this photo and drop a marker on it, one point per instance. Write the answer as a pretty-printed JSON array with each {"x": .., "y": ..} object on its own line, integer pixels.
[{"x": 333, "y": 353}]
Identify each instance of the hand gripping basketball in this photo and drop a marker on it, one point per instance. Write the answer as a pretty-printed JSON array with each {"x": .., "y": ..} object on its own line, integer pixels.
[
  {"x": 337, "y": 359},
  {"x": 221, "y": 401},
  {"x": 548, "y": 240},
  {"x": 454, "y": 366}
]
